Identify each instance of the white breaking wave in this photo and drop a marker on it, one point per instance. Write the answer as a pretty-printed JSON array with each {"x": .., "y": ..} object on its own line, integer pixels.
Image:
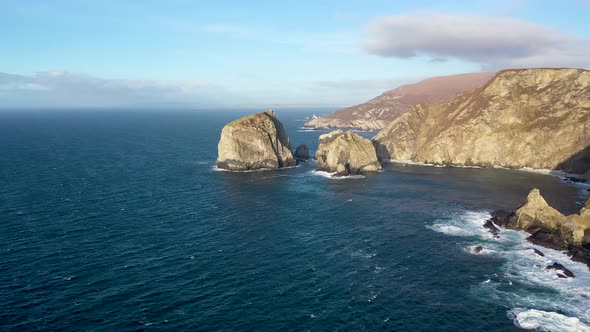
[
  {"x": 539, "y": 320},
  {"x": 541, "y": 299},
  {"x": 467, "y": 224},
  {"x": 334, "y": 177}
]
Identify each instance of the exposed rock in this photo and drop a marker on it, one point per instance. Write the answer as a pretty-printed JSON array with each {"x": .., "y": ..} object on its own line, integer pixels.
[
  {"x": 253, "y": 142},
  {"x": 302, "y": 152},
  {"x": 547, "y": 240},
  {"x": 585, "y": 211},
  {"x": 492, "y": 228},
  {"x": 573, "y": 179},
  {"x": 477, "y": 249},
  {"x": 559, "y": 267},
  {"x": 550, "y": 228},
  {"x": 537, "y": 216},
  {"x": 535, "y": 118},
  {"x": 346, "y": 153},
  {"x": 380, "y": 111},
  {"x": 538, "y": 252}
]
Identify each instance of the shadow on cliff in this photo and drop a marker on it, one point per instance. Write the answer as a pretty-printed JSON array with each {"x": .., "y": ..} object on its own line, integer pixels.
[
  {"x": 578, "y": 163},
  {"x": 381, "y": 150}
]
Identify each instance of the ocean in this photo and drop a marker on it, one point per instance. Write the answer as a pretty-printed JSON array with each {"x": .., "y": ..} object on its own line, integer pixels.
[{"x": 119, "y": 221}]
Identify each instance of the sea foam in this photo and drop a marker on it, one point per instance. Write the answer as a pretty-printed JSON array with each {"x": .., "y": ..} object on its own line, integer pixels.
[
  {"x": 334, "y": 177},
  {"x": 540, "y": 320},
  {"x": 541, "y": 300}
]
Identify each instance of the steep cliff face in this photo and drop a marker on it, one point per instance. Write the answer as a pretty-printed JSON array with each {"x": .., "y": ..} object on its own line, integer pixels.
[
  {"x": 346, "y": 153},
  {"x": 537, "y": 118},
  {"x": 254, "y": 142},
  {"x": 380, "y": 111}
]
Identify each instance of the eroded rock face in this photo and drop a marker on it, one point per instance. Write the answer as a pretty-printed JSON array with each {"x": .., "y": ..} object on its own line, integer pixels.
[
  {"x": 543, "y": 221},
  {"x": 346, "y": 153},
  {"x": 536, "y": 118},
  {"x": 548, "y": 227},
  {"x": 302, "y": 152},
  {"x": 380, "y": 111},
  {"x": 253, "y": 142}
]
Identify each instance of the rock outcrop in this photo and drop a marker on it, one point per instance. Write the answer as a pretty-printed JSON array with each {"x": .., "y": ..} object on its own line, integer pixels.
[
  {"x": 254, "y": 142},
  {"x": 346, "y": 153},
  {"x": 533, "y": 118},
  {"x": 549, "y": 227},
  {"x": 302, "y": 152},
  {"x": 378, "y": 112},
  {"x": 537, "y": 216}
]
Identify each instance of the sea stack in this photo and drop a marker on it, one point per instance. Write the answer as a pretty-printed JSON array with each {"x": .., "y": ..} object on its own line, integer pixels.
[
  {"x": 346, "y": 153},
  {"x": 257, "y": 141},
  {"x": 549, "y": 227}
]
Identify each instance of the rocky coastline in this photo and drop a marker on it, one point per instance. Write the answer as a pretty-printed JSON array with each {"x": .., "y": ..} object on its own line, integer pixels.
[{"x": 547, "y": 227}]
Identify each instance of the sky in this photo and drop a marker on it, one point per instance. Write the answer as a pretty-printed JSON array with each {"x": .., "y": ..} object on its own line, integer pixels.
[{"x": 259, "y": 54}]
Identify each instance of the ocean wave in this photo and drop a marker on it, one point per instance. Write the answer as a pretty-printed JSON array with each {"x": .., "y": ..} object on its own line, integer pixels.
[
  {"x": 545, "y": 301},
  {"x": 334, "y": 177},
  {"x": 466, "y": 224},
  {"x": 217, "y": 169},
  {"x": 532, "y": 319}
]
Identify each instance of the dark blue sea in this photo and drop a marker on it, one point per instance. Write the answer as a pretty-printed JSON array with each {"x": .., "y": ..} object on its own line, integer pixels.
[{"x": 119, "y": 221}]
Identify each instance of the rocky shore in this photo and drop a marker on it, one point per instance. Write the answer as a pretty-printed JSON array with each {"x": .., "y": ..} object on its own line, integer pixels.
[{"x": 548, "y": 227}]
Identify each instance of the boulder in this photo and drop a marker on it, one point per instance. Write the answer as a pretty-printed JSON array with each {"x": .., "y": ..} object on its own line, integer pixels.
[
  {"x": 256, "y": 141},
  {"x": 346, "y": 153},
  {"x": 302, "y": 152}
]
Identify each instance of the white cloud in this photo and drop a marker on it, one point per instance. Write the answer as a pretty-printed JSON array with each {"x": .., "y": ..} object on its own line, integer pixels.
[
  {"x": 492, "y": 42},
  {"x": 64, "y": 89}
]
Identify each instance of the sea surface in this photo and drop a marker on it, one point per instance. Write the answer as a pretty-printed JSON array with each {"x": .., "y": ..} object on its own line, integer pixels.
[{"x": 119, "y": 221}]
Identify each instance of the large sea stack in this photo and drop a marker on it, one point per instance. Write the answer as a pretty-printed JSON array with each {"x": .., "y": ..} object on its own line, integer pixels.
[
  {"x": 346, "y": 153},
  {"x": 527, "y": 118},
  {"x": 254, "y": 142}
]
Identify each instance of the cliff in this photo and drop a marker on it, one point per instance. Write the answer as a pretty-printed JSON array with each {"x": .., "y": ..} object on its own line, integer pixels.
[
  {"x": 380, "y": 111},
  {"x": 535, "y": 118},
  {"x": 253, "y": 142}
]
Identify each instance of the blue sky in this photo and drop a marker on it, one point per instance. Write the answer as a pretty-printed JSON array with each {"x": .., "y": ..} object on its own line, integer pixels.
[{"x": 199, "y": 54}]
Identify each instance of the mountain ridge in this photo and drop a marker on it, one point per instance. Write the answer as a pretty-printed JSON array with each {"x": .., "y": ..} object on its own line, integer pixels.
[{"x": 376, "y": 113}]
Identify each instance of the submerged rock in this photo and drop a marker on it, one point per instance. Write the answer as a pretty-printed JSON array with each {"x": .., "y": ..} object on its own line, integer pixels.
[
  {"x": 254, "y": 142},
  {"x": 346, "y": 153},
  {"x": 302, "y": 152}
]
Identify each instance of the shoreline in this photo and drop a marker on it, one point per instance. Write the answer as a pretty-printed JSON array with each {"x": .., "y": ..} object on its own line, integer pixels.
[{"x": 550, "y": 172}]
